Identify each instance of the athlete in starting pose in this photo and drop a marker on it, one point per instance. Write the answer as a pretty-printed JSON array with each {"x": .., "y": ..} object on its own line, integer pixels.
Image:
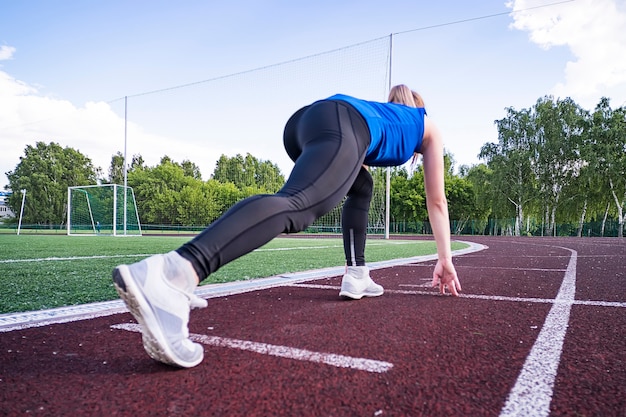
[{"x": 331, "y": 141}]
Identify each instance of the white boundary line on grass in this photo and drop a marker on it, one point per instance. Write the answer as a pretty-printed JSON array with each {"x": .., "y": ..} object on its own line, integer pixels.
[
  {"x": 25, "y": 320},
  {"x": 145, "y": 255}
]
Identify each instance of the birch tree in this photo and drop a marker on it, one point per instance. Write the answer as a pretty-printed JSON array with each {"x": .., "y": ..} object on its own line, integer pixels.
[
  {"x": 608, "y": 137},
  {"x": 510, "y": 162},
  {"x": 559, "y": 126}
]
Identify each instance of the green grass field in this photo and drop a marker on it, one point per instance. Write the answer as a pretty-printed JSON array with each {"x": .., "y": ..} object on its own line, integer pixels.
[{"x": 39, "y": 272}]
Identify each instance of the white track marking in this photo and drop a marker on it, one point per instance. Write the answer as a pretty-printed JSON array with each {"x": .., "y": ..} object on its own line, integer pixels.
[
  {"x": 435, "y": 293},
  {"x": 29, "y": 319},
  {"x": 504, "y": 268},
  {"x": 340, "y": 361},
  {"x": 426, "y": 283},
  {"x": 532, "y": 393}
]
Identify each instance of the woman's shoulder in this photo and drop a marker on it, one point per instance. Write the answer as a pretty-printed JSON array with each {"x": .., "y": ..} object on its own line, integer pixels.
[{"x": 431, "y": 131}]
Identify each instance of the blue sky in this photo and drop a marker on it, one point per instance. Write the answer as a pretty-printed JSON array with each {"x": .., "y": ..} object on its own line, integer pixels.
[{"x": 65, "y": 65}]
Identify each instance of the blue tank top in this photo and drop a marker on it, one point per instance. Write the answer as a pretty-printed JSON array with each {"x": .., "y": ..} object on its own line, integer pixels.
[{"x": 396, "y": 130}]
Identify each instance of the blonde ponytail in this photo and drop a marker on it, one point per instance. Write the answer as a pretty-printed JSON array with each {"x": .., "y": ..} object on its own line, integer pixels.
[{"x": 402, "y": 94}]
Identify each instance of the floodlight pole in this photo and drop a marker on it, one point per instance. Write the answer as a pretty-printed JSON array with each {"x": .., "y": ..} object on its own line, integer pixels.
[
  {"x": 125, "y": 165},
  {"x": 388, "y": 176},
  {"x": 19, "y": 225}
]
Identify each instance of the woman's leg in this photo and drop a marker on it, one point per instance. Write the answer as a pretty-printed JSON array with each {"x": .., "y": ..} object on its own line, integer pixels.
[
  {"x": 354, "y": 218},
  {"x": 328, "y": 141},
  {"x": 356, "y": 282}
]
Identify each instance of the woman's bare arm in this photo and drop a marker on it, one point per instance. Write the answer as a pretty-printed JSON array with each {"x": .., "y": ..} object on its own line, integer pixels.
[{"x": 432, "y": 151}]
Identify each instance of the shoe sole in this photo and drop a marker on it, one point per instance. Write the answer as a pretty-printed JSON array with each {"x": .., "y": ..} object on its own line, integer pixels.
[
  {"x": 355, "y": 296},
  {"x": 153, "y": 339}
]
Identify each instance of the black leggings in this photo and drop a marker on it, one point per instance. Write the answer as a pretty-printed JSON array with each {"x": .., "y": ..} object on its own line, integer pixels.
[{"x": 327, "y": 140}]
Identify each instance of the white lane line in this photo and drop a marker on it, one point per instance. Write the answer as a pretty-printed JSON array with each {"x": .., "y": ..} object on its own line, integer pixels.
[
  {"x": 340, "y": 361},
  {"x": 532, "y": 393},
  {"x": 498, "y": 268},
  {"x": 435, "y": 293},
  {"x": 425, "y": 284}
]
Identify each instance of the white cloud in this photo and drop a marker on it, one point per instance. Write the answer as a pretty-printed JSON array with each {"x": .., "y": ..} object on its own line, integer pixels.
[
  {"x": 27, "y": 117},
  {"x": 183, "y": 125},
  {"x": 593, "y": 31},
  {"x": 6, "y": 52},
  {"x": 97, "y": 130}
]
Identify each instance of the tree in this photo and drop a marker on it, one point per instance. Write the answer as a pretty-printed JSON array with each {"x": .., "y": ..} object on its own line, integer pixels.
[
  {"x": 116, "y": 169},
  {"x": 174, "y": 194},
  {"x": 461, "y": 201},
  {"x": 191, "y": 170},
  {"x": 408, "y": 199},
  {"x": 608, "y": 136},
  {"x": 459, "y": 194},
  {"x": 480, "y": 176},
  {"x": 510, "y": 161},
  {"x": 46, "y": 171},
  {"x": 248, "y": 171},
  {"x": 557, "y": 163},
  {"x": 156, "y": 190}
]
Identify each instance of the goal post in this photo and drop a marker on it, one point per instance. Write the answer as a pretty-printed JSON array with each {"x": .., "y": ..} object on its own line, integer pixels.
[{"x": 108, "y": 209}]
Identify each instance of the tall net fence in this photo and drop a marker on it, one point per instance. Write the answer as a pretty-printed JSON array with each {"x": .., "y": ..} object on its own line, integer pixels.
[
  {"x": 331, "y": 222},
  {"x": 245, "y": 113}
]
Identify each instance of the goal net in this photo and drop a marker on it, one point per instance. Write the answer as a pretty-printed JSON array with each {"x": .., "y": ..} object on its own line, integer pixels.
[
  {"x": 108, "y": 209},
  {"x": 331, "y": 222}
]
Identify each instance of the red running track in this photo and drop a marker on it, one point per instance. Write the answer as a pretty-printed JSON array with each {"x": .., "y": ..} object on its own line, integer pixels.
[{"x": 540, "y": 330}]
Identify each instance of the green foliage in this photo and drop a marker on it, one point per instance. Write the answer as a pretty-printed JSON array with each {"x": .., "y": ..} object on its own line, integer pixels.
[
  {"x": 248, "y": 171},
  {"x": 408, "y": 198},
  {"x": 479, "y": 178},
  {"x": 174, "y": 194},
  {"x": 460, "y": 193},
  {"x": 45, "y": 171},
  {"x": 556, "y": 162},
  {"x": 116, "y": 169}
]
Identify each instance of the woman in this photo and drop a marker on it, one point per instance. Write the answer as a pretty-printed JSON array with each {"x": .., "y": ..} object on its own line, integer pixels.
[{"x": 331, "y": 142}]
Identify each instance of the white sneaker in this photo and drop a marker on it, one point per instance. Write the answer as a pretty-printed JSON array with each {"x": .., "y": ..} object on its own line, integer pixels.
[
  {"x": 357, "y": 283},
  {"x": 158, "y": 291}
]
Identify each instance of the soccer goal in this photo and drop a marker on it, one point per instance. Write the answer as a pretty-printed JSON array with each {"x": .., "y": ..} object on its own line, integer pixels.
[{"x": 108, "y": 209}]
